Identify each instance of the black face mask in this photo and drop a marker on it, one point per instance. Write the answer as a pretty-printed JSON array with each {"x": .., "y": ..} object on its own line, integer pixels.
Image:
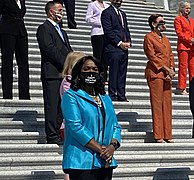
[{"x": 89, "y": 78}]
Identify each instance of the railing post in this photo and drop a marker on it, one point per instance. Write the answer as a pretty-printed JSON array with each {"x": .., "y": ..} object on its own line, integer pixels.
[{"x": 166, "y": 5}]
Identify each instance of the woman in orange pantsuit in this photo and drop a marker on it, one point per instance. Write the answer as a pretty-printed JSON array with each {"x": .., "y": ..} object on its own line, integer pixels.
[
  {"x": 159, "y": 73},
  {"x": 184, "y": 27}
]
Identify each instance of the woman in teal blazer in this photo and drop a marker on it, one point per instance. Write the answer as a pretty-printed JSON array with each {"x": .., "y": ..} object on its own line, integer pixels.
[{"x": 92, "y": 132}]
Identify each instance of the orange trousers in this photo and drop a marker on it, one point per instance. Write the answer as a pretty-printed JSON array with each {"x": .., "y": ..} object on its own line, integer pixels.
[
  {"x": 186, "y": 61},
  {"x": 161, "y": 105}
]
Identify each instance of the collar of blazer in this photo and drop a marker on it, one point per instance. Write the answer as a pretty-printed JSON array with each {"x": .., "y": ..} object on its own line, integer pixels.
[
  {"x": 84, "y": 95},
  {"x": 156, "y": 36},
  {"x": 113, "y": 9},
  {"x": 188, "y": 24}
]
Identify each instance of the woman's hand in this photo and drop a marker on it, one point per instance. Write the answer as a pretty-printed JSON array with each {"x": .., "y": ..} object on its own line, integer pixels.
[
  {"x": 171, "y": 73},
  {"x": 168, "y": 78},
  {"x": 107, "y": 152}
]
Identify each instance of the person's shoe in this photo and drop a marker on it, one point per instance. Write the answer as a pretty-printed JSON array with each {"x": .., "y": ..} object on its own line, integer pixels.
[
  {"x": 159, "y": 141},
  {"x": 123, "y": 100},
  {"x": 60, "y": 142},
  {"x": 169, "y": 140},
  {"x": 72, "y": 27},
  {"x": 183, "y": 92}
]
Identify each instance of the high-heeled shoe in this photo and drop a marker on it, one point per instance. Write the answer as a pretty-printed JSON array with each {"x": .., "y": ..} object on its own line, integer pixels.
[
  {"x": 169, "y": 140},
  {"x": 184, "y": 92},
  {"x": 159, "y": 141}
]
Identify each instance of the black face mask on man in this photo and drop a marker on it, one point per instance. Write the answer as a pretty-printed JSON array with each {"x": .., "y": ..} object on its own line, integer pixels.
[{"x": 89, "y": 78}]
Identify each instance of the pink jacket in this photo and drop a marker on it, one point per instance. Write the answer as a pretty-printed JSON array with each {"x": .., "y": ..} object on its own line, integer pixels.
[{"x": 65, "y": 84}]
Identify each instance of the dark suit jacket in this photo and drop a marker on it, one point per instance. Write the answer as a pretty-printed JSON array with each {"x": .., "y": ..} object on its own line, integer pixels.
[
  {"x": 53, "y": 50},
  {"x": 113, "y": 30},
  {"x": 12, "y": 18}
]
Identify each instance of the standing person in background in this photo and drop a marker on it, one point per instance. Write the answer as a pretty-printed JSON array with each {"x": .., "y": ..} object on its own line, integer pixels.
[
  {"x": 191, "y": 100},
  {"x": 70, "y": 11},
  {"x": 184, "y": 27},
  {"x": 159, "y": 73},
  {"x": 93, "y": 17},
  {"x": 71, "y": 60},
  {"x": 92, "y": 129},
  {"x": 117, "y": 43},
  {"x": 54, "y": 47},
  {"x": 14, "y": 38}
]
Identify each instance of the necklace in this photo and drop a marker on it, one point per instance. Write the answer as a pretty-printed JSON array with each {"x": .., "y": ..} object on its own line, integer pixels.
[{"x": 97, "y": 100}]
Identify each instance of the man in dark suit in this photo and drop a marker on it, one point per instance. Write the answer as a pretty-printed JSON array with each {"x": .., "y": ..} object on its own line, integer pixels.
[
  {"x": 54, "y": 47},
  {"x": 14, "y": 39},
  {"x": 70, "y": 11},
  {"x": 117, "y": 42}
]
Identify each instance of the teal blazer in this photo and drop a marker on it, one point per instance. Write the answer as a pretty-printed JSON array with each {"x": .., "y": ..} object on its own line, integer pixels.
[{"x": 84, "y": 121}]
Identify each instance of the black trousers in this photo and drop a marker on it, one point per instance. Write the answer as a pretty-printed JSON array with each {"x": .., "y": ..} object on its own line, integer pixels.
[
  {"x": 94, "y": 174},
  {"x": 98, "y": 48},
  {"x": 70, "y": 11},
  {"x": 191, "y": 100},
  {"x": 19, "y": 45},
  {"x": 52, "y": 109}
]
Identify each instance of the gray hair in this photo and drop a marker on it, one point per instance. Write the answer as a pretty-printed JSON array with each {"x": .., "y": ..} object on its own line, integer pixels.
[{"x": 182, "y": 5}]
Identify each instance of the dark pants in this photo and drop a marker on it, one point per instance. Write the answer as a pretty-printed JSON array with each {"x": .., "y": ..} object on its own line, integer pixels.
[
  {"x": 117, "y": 75},
  {"x": 19, "y": 45},
  {"x": 191, "y": 100},
  {"x": 70, "y": 11},
  {"x": 98, "y": 47},
  {"x": 95, "y": 174},
  {"x": 52, "y": 109}
]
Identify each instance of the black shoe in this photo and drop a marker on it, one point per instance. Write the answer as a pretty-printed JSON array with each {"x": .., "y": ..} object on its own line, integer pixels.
[
  {"x": 60, "y": 142},
  {"x": 123, "y": 99},
  {"x": 72, "y": 27}
]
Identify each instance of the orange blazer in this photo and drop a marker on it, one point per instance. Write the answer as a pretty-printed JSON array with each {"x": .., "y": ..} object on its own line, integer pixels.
[
  {"x": 185, "y": 32},
  {"x": 159, "y": 53}
]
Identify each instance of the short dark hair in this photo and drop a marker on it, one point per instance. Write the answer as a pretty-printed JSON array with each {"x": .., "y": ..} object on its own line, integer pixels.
[
  {"x": 75, "y": 81},
  {"x": 49, "y": 5},
  {"x": 152, "y": 19}
]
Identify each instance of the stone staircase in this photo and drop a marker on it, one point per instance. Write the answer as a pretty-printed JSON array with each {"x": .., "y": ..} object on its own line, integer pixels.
[{"x": 23, "y": 152}]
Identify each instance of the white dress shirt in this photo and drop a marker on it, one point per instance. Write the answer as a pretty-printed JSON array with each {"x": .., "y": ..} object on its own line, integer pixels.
[
  {"x": 18, "y": 3},
  {"x": 93, "y": 17}
]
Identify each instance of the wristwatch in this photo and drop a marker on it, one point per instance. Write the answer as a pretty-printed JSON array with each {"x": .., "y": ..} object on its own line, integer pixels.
[{"x": 116, "y": 145}]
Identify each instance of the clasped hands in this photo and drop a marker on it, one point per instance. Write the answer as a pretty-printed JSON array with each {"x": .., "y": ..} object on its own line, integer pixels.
[
  {"x": 106, "y": 154},
  {"x": 170, "y": 73},
  {"x": 125, "y": 45}
]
